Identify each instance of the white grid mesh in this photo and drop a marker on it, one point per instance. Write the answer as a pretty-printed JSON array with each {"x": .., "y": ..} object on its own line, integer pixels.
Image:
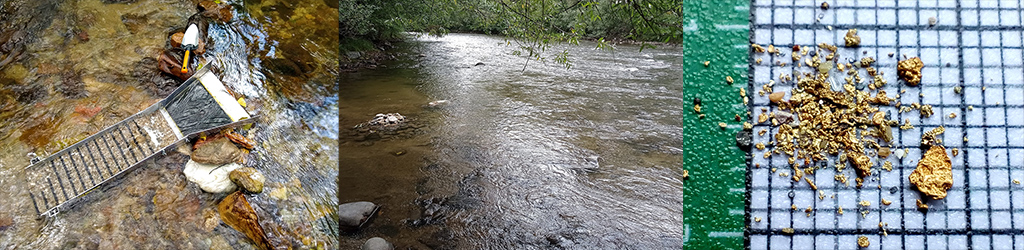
[{"x": 975, "y": 44}]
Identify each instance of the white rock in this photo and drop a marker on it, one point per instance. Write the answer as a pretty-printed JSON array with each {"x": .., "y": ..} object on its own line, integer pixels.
[
  {"x": 211, "y": 178},
  {"x": 377, "y": 243},
  {"x": 437, "y": 103}
]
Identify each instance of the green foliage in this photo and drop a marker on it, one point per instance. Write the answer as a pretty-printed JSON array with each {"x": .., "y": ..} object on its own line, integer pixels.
[{"x": 533, "y": 27}]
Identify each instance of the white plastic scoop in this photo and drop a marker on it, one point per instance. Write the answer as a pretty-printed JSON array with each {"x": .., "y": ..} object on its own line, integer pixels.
[{"x": 189, "y": 42}]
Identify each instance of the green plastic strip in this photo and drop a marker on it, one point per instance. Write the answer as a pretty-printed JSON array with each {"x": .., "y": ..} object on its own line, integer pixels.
[{"x": 718, "y": 32}]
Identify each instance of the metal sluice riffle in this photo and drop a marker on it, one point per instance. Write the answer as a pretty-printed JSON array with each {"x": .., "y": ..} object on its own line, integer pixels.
[{"x": 201, "y": 104}]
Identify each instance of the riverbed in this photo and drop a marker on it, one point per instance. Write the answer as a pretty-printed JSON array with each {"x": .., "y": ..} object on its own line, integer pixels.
[{"x": 78, "y": 66}]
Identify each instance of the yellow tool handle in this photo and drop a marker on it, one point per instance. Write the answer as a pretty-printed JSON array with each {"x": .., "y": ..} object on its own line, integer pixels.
[{"x": 184, "y": 65}]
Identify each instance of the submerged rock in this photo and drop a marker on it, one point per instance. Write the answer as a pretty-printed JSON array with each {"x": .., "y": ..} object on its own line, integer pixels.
[
  {"x": 248, "y": 178},
  {"x": 71, "y": 85},
  {"x": 438, "y": 103},
  {"x": 135, "y": 23},
  {"x": 217, "y": 150},
  {"x": 171, "y": 64},
  {"x": 211, "y": 9},
  {"x": 211, "y": 178},
  {"x": 356, "y": 215},
  {"x": 237, "y": 213},
  {"x": 6, "y": 221},
  {"x": 377, "y": 243}
]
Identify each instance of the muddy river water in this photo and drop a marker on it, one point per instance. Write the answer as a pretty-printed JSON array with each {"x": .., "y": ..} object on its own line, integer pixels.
[
  {"x": 70, "y": 68},
  {"x": 517, "y": 158}
]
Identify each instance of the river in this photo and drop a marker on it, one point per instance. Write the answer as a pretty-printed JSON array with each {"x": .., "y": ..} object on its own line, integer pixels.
[
  {"x": 518, "y": 157},
  {"x": 70, "y": 68}
]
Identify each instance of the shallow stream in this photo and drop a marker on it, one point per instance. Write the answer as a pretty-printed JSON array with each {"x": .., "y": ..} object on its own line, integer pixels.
[{"x": 518, "y": 157}]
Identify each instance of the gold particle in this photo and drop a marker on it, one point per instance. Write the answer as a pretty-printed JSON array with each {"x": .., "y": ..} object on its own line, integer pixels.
[
  {"x": 706, "y": 63},
  {"x": 728, "y": 79},
  {"x": 865, "y": 203},
  {"x": 810, "y": 182},
  {"x": 921, "y": 205},
  {"x": 852, "y": 40},
  {"x": 757, "y": 219},
  {"x": 686, "y": 174},
  {"x": 862, "y": 241},
  {"x": 910, "y": 70},
  {"x": 840, "y": 210},
  {"x": 757, "y": 48},
  {"x": 788, "y": 230},
  {"x": 886, "y": 202},
  {"x": 722, "y": 125},
  {"x": 952, "y": 115},
  {"x": 933, "y": 175}
]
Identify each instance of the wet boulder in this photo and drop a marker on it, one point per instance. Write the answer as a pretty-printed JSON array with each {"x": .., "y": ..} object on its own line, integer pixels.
[
  {"x": 377, "y": 243},
  {"x": 176, "y": 39},
  {"x": 356, "y": 215},
  {"x": 236, "y": 212},
  {"x": 211, "y": 178},
  {"x": 248, "y": 178},
  {"x": 171, "y": 64},
  {"x": 217, "y": 150},
  {"x": 387, "y": 120},
  {"x": 211, "y": 9}
]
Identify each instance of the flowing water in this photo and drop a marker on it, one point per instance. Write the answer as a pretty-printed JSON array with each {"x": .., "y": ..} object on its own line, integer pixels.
[
  {"x": 70, "y": 68},
  {"x": 518, "y": 157}
]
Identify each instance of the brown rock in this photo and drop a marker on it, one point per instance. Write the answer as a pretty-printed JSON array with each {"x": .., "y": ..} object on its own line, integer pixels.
[
  {"x": 176, "y": 39},
  {"x": 221, "y": 12},
  {"x": 776, "y": 97},
  {"x": 6, "y": 221},
  {"x": 883, "y": 152},
  {"x": 248, "y": 178},
  {"x": 171, "y": 65},
  {"x": 206, "y": 5},
  {"x": 933, "y": 175},
  {"x": 210, "y": 220},
  {"x": 910, "y": 70},
  {"x": 236, "y": 212},
  {"x": 219, "y": 150}
]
